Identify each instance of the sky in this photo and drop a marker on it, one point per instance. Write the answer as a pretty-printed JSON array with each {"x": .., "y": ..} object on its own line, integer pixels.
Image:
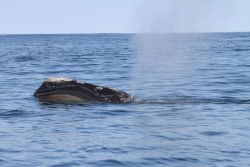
[
  {"x": 123, "y": 16},
  {"x": 191, "y": 16},
  {"x": 66, "y": 16}
]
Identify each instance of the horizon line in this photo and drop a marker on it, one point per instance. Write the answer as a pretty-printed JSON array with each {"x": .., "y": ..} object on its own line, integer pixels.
[{"x": 96, "y": 33}]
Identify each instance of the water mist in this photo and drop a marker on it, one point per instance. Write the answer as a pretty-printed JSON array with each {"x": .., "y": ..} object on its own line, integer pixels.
[{"x": 170, "y": 32}]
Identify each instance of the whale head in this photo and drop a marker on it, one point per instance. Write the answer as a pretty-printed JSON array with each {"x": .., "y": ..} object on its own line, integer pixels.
[{"x": 70, "y": 90}]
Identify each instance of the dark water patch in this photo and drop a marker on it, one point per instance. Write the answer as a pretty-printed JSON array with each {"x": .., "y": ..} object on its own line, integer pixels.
[
  {"x": 186, "y": 159},
  {"x": 109, "y": 163},
  {"x": 13, "y": 114},
  {"x": 231, "y": 152},
  {"x": 115, "y": 150},
  {"x": 169, "y": 138},
  {"x": 25, "y": 58},
  {"x": 67, "y": 164},
  {"x": 120, "y": 126},
  {"x": 241, "y": 49},
  {"x": 213, "y": 133},
  {"x": 116, "y": 112},
  {"x": 165, "y": 161},
  {"x": 217, "y": 160},
  {"x": 11, "y": 151},
  {"x": 108, "y": 113},
  {"x": 193, "y": 101},
  {"x": 122, "y": 111}
]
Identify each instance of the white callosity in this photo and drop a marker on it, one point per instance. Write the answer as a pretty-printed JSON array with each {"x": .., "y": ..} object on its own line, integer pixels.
[
  {"x": 58, "y": 79},
  {"x": 99, "y": 88}
]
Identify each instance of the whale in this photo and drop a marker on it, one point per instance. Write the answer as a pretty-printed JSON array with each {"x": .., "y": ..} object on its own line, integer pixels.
[{"x": 67, "y": 90}]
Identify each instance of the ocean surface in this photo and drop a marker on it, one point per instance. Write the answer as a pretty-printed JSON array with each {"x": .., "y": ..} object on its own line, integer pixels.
[{"x": 192, "y": 104}]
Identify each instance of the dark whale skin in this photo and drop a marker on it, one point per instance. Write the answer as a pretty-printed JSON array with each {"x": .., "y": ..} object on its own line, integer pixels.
[{"x": 67, "y": 90}]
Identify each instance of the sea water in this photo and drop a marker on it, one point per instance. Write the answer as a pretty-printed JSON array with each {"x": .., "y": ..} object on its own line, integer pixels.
[{"x": 193, "y": 114}]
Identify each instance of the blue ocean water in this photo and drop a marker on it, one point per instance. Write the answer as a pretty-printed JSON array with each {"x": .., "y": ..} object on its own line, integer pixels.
[{"x": 192, "y": 100}]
